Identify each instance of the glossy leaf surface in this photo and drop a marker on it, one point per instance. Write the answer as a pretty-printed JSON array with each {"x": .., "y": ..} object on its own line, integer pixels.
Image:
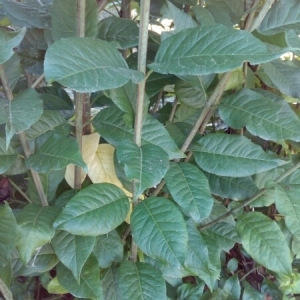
[
  {"x": 50, "y": 157},
  {"x": 145, "y": 165},
  {"x": 232, "y": 155},
  {"x": 267, "y": 118},
  {"x": 89, "y": 287},
  {"x": 263, "y": 240},
  {"x": 162, "y": 222},
  {"x": 95, "y": 210},
  {"x": 190, "y": 190},
  {"x": 140, "y": 281},
  {"x": 35, "y": 229},
  {"x": 87, "y": 65},
  {"x": 209, "y": 49},
  {"x": 109, "y": 123},
  {"x": 73, "y": 250}
]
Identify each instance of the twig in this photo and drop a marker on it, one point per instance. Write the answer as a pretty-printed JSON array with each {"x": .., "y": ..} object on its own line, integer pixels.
[
  {"x": 126, "y": 233},
  {"x": 262, "y": 14},
  {"x": 249, "y": 21},
  {"x": 23, "y": 139},
  {"x": 251, "y": 199},
  {"x": 203, "y": 119},
  {"x": 19, "y": 190},
  {"x": 38, "y": 81},
  {"x": 142, "y": 57},
  {"x": 157, "y": 102},
  {"x": 101, "y": 4},
  {"x": 172, "y": 114},
  {"x": 79, "y": 97}
]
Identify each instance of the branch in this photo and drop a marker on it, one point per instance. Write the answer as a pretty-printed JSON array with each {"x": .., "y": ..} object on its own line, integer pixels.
[
  {"x": 101, "y": 4},
  {"x": 203, "y": 119},
  {"x": 250, "y": 200},
  {"x": 79, "y": 97},
  {"x": 262, "y": 14},
  {"x": 142, "y": 57},
  {"x": 22, "y": 136}
]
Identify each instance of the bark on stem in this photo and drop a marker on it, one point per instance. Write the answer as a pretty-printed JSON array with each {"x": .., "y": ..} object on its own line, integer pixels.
[{"x": 22, "y": 136}]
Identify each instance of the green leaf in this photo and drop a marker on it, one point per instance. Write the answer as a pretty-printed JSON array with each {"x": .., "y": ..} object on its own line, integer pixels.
[
  {"x": 212, "y": 14},
  {"x": 231, "y": 187},
  {"x": 8, "y": 233},
  {"x": 13, "y": 70},
  {"x": 179, "y": 132},
  {"x": 188, "y": 291},
  {"x": 22, "y": 112},
  {"x": 35, "y": 228},
  {"x": 232, "y": 288},
  {"x": 162, "y": 222},
  {"x": 110, "y": 124},
  {"x": 108, "y": 248},
  {"x": 55, "y": 154},
  {"x": 140, "y": 281},
  {"x": 56, "y": 98},
  {"x": 250, "y": 293},
  {"x": 51, "y": 122},
  {"x": 284, "y": 76},
  {"x": 261, "y": 179},
  {"x": 186, "y": 114},
  {"x": 109, "y": 282},
  {"x": 155, "y": 82},
  {"x": 247, "y": 108},
  {"x": 43, "y": 261},
  {"x": 234, "y": 8},
  {"x": 5, "y": 291},
  {"x": 73, "y": 250},
  {"x": 6, "y": 272},
  {"x": 281, "y": 16},
  {"x": 218, "y": 210},
  {"x": 209, "y": 49},
  {"x": 65, "y": 22},
  {"x": 145, "y": 165},
  {"x": 287, "y": 204},
  {"x": 181, "y": 19},
  {"x": 96, "y": 209},
  {"x": 87, "y": 65},
  {"x": 203, "y": 257},
  {"x": 190, "y": 190},
  {"x": 7, "y": 156},
  {"x": 189, "y": 95},
  {"x": 224, "y": 235},
  {"x": 122, "y": 31},
  {"x": 232, "y": 155},
  {"x": 89, "y": 287},
  {"x": 189, "y": 2},
  {"x": 263, "y": 240},
  {"x": 30, "y": 14},
  {"x": 8, "y": 41},
  {"x": 50, "y": 182}
]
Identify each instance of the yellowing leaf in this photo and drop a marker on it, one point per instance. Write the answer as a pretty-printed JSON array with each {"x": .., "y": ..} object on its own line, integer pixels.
[
  {"x": 89, "y": 147},
  {"x": 102, "y": 167},
  {"x": 55, "y": 288}
]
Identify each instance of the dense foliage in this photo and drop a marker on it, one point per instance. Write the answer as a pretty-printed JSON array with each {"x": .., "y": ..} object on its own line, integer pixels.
[{"x": 178, "y": 180}]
